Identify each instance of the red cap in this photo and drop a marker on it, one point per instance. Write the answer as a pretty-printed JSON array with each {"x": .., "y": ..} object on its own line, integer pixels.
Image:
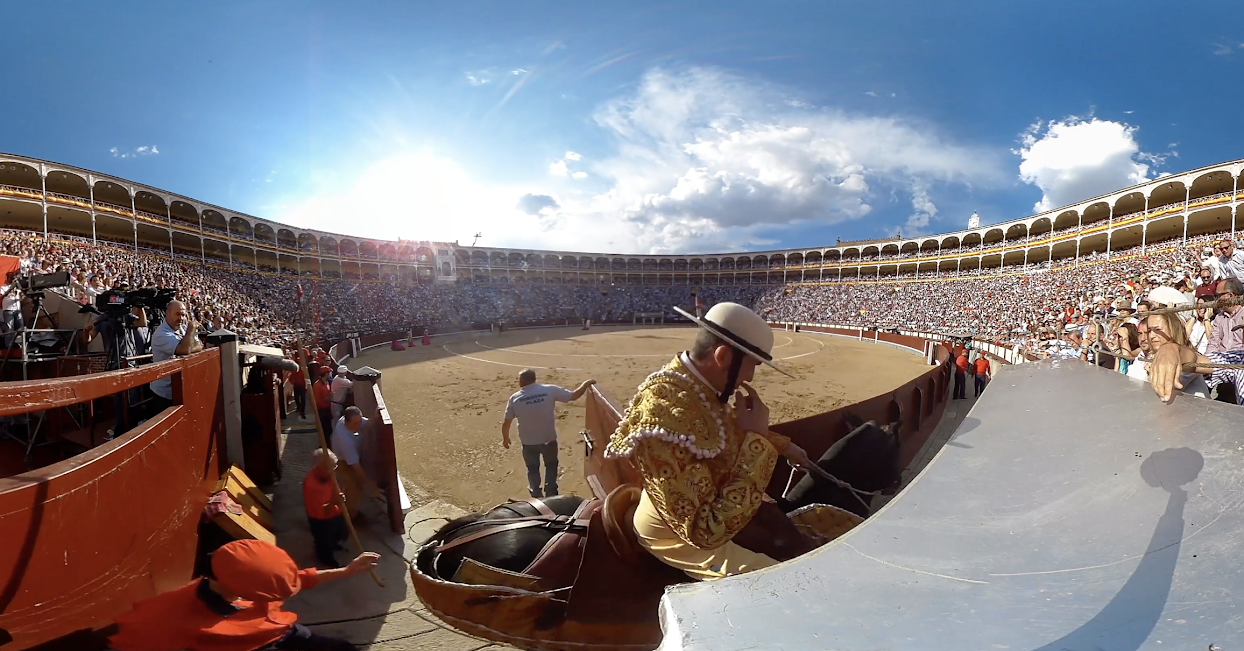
[{"x": 256, "y": 571}]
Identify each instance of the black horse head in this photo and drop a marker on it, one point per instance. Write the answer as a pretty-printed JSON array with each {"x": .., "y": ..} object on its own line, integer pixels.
[{"x": 867, "y": 459}]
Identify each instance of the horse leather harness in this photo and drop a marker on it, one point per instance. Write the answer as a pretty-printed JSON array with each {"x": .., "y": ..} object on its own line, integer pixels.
[{"x": 547, "y": 518}]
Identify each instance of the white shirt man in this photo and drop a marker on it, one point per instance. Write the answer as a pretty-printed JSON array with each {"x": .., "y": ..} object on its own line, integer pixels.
[
  {"x": 1231, "y": 260},
  {"x": 169, "y": 341},
  {"x": 534, "y": 405},
  {"x": 340, "y": 387},
  {"x": 11, "y": 314},
  {"x": 345, "y": 443}
]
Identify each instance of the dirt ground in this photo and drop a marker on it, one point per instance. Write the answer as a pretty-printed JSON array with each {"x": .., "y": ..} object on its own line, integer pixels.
[{"x": 447, "y": 400}]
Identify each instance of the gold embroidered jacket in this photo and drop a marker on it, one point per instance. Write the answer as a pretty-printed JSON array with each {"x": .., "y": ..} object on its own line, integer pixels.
[{"x": 704, "y": 476}]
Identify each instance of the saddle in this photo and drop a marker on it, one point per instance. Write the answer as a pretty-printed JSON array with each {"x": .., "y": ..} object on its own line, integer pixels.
[{"x": 593, "y": 586}]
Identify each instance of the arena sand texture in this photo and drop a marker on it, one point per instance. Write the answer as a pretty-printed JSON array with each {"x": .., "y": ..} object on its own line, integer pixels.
[{"x": 448, "y": 400}]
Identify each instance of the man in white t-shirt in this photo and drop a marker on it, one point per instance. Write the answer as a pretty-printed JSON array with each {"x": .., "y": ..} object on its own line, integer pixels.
[
  {"x": 340, "y": 387},
  {"x": 534, "y": 406},
  {"x": 347, "y": 432},
  {"x": 1230, "y": 259}
]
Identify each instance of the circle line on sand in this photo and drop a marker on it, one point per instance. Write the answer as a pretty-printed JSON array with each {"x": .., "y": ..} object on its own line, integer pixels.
[
  {"x": 532, "y": 352},
  {"x": 445, "y": 347},
  {"x": 818, "y": 341}
]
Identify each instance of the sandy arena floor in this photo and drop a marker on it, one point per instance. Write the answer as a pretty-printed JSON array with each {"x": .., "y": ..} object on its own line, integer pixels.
[{"x": 448, "y": 400}]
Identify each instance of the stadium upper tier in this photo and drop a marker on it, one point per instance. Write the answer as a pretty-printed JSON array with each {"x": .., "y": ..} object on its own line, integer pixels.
[{"x": 44, "y": 196}]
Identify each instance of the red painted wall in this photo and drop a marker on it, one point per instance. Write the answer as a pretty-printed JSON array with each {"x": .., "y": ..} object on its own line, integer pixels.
[{"x": 83, "y": 539}]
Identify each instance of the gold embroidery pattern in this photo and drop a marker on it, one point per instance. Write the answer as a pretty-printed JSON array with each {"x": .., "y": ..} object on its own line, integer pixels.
[{"x": 704, "y": 476}]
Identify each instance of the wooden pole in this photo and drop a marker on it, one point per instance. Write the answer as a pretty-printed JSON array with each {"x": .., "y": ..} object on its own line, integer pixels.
[{"x": 319, "y": 429}]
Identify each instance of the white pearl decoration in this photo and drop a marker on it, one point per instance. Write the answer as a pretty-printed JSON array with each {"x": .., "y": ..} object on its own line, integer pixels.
[{"x": 626, "y": 446}]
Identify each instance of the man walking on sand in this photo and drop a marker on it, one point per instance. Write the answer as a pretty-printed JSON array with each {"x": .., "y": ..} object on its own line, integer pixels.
[{"x": 534, "y": 405}]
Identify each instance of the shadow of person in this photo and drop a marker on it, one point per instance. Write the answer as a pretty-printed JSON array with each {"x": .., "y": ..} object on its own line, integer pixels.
[{"x": 1127, "y": 620}]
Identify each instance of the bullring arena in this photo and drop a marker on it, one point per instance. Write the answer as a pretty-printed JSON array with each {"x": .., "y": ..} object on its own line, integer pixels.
[
  {"x": 447, "y": 399},
  {"x": 1065, "y": 506}
]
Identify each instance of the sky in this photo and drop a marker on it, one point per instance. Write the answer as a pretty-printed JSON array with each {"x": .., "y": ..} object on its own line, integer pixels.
[{"x": 632, "y": 127}]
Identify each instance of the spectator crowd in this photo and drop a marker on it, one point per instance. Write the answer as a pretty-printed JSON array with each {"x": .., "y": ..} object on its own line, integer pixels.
[{"x": 1086, "y": 308}]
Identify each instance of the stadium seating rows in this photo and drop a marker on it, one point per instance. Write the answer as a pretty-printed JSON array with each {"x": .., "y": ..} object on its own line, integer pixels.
[{"x": 1009, "y": 304}]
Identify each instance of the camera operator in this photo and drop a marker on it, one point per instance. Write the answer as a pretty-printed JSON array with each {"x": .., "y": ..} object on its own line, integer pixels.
[
  {"x": 124, "y": 337},
  {"x": 11, "y": 310},
  {"x": 178, "y": 335}
]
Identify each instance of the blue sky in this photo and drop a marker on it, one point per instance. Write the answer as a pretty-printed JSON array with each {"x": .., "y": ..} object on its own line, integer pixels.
[{"x": 630, "y": 127}]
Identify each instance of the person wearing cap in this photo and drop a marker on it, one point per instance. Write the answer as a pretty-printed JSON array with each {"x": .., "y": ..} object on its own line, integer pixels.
[
  {"x": 340, "y": 387},
  {"x": 703, "y": 463},
  {"x": 236, "y": 608},
  {"x": 328, "y": 525},
  {"x": 961, "y": 374}
]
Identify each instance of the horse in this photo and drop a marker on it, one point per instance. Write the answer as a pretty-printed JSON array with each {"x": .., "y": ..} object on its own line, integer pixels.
[
  {"x": 867, "y": 459},
  {"x": 512, "y": 550}
]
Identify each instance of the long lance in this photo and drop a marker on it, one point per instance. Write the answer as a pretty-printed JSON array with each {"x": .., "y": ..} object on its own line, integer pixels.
[{"x": 319, "y": 430}]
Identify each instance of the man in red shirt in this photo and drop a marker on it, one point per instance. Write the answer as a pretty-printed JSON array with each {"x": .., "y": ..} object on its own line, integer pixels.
[
  {"x": 324, "y": 402},
  {"x": 961, "y": 378},
  {"x": 982, "y": 374},
  {"x": 298, "y": 381},
  {"x": 237, "y": 608},
  {"x": 328, "y": 526}
]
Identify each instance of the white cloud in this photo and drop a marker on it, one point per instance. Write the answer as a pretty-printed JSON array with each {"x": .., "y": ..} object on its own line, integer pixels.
[
  {"x": 562, "y": 166},
  {"x": 870, "y": 93},
  {"x": 145, "y": 150},
  {"x": 479, "y": 77},
  {"x": 706, "y": 159},
  {"x": 518, "y": 71},
  {"x": 1076, "y": 159},
  {"x": 701, "y": 160}
]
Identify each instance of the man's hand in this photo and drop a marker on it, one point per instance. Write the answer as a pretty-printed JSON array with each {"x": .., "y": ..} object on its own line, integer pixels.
[
  {"x": 750, "y": 413},
  {"x": 797, "y": 457},
  {"x": 505, "y": 441},
  {"x": 366, "y": 562},
  {"x": 1164, "y": 370}
]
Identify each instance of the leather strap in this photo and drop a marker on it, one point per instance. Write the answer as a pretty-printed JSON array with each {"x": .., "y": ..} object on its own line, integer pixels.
[
  {"x": 584, "y": 508},
  {"x": 541, "y": 507},
  {"x": 510, "y": 524}
]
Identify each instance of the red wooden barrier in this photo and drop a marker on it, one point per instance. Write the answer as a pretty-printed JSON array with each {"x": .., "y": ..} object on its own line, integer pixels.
[
  {"x": 921, "y": 402},
  {"x": 386, "y": 461},
  {"x": 82, "y": 539}
]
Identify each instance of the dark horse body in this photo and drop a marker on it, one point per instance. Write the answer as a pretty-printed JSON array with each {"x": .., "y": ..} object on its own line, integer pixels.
[
  {"x": 867, "y": 459},
  {"x": 510, "y": 550}
]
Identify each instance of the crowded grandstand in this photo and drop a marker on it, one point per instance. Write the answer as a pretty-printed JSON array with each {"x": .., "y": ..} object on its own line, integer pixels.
[{"x": 1034, "y": 284}]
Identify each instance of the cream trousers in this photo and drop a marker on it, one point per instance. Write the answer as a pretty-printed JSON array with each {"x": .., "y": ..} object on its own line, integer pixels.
[{"x": 700, "y": 564}]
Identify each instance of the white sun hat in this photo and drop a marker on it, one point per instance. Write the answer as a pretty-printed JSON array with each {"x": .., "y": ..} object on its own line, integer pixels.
[
  {"x": 741, "y": 328},
  {"x": 1169, "y": 296}
]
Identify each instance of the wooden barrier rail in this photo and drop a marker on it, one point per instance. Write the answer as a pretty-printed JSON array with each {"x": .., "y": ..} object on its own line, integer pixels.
[
  {"x": 920, "y": 402},
  {"x": 83, "y": 539}
]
